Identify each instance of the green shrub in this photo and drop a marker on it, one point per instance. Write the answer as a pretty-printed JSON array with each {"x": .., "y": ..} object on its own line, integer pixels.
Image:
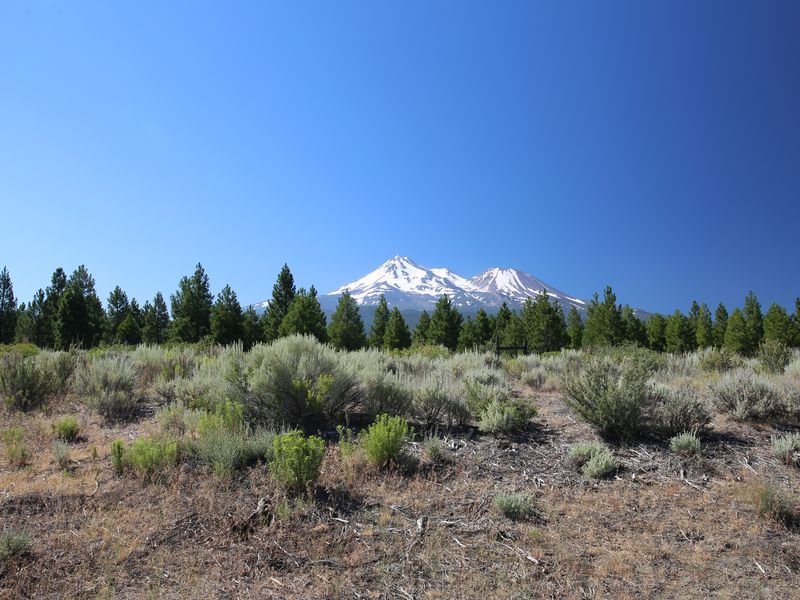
[
  {"x": 685, "y": 443},
  {"x": 438, "y": 400},
  {"x": 675, "y": 410},
  {"x": 347, "y": 443},
  {"x": 580, "y": 454},
  {"x": 16, "y": 451},
  {"x": 298, "y": 381},
  {"x": 118, "y": 456},
  {"x": 60, "y": 366},
  {"x": 178, "y": 419},
  {"x": 515, "y": 506},
  {"x": 67, "y": 429},
  {"x": 535, "y": 378},
  {"x": 774, "y": 356},
  {"x": 23, "y": 382},
  {"x": 601, "y": 464},
  {"x": 386, "y": 393},
  {"x": 297, "y": 460},
  {"x": 109, "y": 382},
  {"x": 14, "y": 544},
  {"x": 745, "y": 397},
  {"x": 434, "y": 448},
  {"x": 718, "y": 360},
  {"x": 24, "y": 349},
  {"x": 610, "y": 395},
  {"x": 61, "y": 454},
  {"x": 151, "y": 458},
  {"x": 773, "y": 503},
  {"x": 386, "y": 439},
  {"x": 229, "y": 451},
  {"x": 480, "y": 394},
  {"x": 506, "y": 417},
  {"x": 787, "y": 448}
]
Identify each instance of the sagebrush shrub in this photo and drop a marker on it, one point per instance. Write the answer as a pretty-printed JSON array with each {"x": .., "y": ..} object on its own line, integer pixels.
[
  {"x": 718, "y": 360},
  {"x": 685, "y": 443},
  {"x": 437, "y": 400},
  {"x": 434, "y": 448},
  {"x": 601, "y": 464},
  {"x": 386, "y": 439},
  {"x": 24, "y": 382},
  {"x": 386, "y": 393},
  {"x": 774, "y": 356},
  {"x": 610, "y": 395},
  {"x": 67, "y": 429},
  {"x": 118, "y": 456},
  {"x": 787, "y": 448},
  {"x": 61, "y": 454},
  {"x": 515, "y": 506},
  {"x": 151, "y": 458},
  {"x": 675, "y": 410},
  {"x": 535, "y": 378},
  {"x": 109, "y": 382},
  {"x": 229, "y": 451},
  {"x": 480, "y": 394},
  {"x": 15, "y": 449},
  {"x": 580, "y": 453},
  {"x": 502, "y": 417},
  {"x": 296, "y": 460},
  {"x": 298, "y": 381},
  {"x": 773, "y": 503},
  {"x": 746, "y": 397},
  {"x": 14, "y": 544}
]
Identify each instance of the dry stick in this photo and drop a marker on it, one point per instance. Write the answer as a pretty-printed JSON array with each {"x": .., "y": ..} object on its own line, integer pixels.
[{"x": 760, "y": 568}]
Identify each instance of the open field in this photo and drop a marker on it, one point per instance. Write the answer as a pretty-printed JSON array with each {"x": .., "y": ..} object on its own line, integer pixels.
[{"x": 660, "y": 524}]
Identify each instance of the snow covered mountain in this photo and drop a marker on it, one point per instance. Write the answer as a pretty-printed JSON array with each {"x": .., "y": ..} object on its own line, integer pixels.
[{"x": 409, "y": 286}]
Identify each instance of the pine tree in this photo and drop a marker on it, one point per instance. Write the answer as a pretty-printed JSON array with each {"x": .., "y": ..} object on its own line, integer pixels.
[
  {"x": 129, "y": 332},
  {"x": 253, "y": 329},
  {"x": 305, "y": 316},
  {"x": 191, "y": 307},
  {"x": 656, "y": 332},
  {"x": 678, "y": 333},
  {"x": 796, "y": 324},
  {"x": 514, "y": 331},
  {"x": 8, "y": 309},
  {"x": 755, "y": 323},
  {"x": 574, "y": 328},
  {"x": 117, "y": 310},
  {"x": 227, "y": 320},
  {"x": 635, "y": 330},
  {"x": 736, "y": 333},
  {"x": 80, "y": 318},
  {"x": 155, "y": 321},
  {"x": 420, "y": 337},
  {"x": 380, "y": 319},
  {"x": 603, "y": 325},
  {"x": 502, "y": 321},
  {"x": 469, "y": 338},
  {"x": 346, "y": 331},
  {"x": 57, "y": 287},
  {"x": 778, "y": 325},
  {"x": 543, "y": 322},
  {"x": 704, "y": 328},
  {"x": 397, "y": 336},
  {"x": 720, "y": 325},
  {"x": 33, "y": 328},
  {"x": 283, "y": 293},
  {"x": 445, "y": 324},
  {"x": 483, "y": 327},
  {"x": 693, "y": 318}
]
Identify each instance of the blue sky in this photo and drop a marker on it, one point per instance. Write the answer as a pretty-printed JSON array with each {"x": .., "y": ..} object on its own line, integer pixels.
[{"x": 653, "y": 146}]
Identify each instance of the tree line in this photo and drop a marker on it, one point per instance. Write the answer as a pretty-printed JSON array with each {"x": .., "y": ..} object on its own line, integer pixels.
[{"x": 69, "y": 312}]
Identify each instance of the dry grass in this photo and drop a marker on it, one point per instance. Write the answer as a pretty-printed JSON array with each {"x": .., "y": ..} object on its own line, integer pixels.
[{"x": 662, "y": 528}]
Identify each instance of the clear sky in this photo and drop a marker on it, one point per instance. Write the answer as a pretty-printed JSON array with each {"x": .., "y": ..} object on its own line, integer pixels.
[{"x": 653, "y": 146}]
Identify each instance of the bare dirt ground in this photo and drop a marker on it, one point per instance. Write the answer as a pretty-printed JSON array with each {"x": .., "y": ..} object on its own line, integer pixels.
[{"x": 664, "y": 527}]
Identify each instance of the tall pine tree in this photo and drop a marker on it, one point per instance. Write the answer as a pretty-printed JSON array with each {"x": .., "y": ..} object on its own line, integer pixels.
[
  {"x": 796, "y": 324},
  {"x": 678, "y": 333},
  {"x": 720, "y": 325},
  {"x": 754, "y": 321},
  {"x": 380, "y": 319},
  {"x": 736, "y": 333},
  {"x": 117, "y": 309},
  {"x": 305, "y": 316},
  {"x": 420, "y": 336},
  {"x": 283, "y": 293},
  {"x": 155, "y": 321},
  {"x": 252, "y": 327},
  {"x": 445, "y": 324},
  {"x": 574, "y": 328},
  {"x": 80, "y": 318},
  {"x": 8, "y": 309},
  {"x": 778, "y": 325},
  {"x": 704, "y": 328},
  {"x": 635, "y": 330},
  {"x": 346, "y": 331},
  {"x": 227, "y": 320},
  {"x": 603, "y": 325},
  {"x": 656, "y": 332},
  {"x": 52, "y": 301},
  {"x": 397, "y": 336},
  {"x": 191, "y": 307}
]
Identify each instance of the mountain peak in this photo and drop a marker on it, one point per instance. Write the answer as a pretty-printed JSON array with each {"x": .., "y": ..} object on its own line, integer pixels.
[{"x": 410, "y": 286}]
